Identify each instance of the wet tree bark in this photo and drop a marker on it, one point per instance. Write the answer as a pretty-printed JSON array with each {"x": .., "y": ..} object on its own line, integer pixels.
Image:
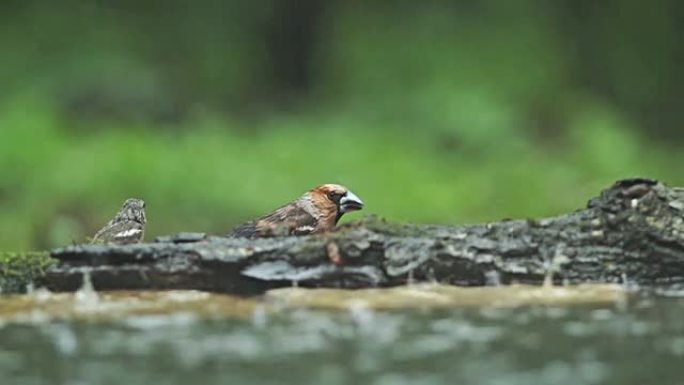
[{"x": 633, "y": 230}]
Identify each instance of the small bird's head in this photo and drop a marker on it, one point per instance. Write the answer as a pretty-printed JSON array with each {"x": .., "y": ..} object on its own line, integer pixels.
[
  {"x": 133, "y": 210},
  {"x": 337, "y": 197}
]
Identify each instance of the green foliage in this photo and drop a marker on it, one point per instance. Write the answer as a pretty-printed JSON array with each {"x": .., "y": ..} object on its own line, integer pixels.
[
  {"x": 209, "y": 175},
  {"x": 18, "y": 271},
  {"x": 430, "y": 111}
]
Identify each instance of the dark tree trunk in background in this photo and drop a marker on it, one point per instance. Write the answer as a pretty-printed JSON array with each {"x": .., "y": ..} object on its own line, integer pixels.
[
  {"x": 291, "y": 36},
  {"x": 634, "y": 230},
  {"x": 631, "y": 53}
]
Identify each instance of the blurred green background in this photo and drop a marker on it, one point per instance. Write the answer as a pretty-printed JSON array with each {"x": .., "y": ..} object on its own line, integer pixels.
[{"x": 431, "y": 111}]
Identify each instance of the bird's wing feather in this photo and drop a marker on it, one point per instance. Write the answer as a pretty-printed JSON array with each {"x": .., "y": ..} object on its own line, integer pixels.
[
  {"x": 245, "y": 230},
  {"x": 120, "y": 232},
  {"x": 287, "y": 220}
]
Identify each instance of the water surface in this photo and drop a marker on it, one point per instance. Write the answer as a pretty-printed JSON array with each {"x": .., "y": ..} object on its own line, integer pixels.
[{"x": 198, "y": 338}]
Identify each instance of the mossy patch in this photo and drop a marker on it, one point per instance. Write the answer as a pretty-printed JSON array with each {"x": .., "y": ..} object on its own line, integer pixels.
[
  {"x": 18, "y": 270},
  {"x": 381, "y": 225}
]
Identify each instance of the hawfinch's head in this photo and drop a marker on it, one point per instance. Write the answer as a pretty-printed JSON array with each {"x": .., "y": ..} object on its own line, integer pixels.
[{"x": 337, "y": 197}]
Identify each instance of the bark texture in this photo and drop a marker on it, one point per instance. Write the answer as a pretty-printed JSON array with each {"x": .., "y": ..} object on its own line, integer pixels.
[{"x": 633, "y": 230}]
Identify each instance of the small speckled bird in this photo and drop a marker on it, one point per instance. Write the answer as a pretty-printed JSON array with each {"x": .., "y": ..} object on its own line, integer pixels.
[
  {"x": 317, "y": 211},
  {"x": 128, "y": 226}
]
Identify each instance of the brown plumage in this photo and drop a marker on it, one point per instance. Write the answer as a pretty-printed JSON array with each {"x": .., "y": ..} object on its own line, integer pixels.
[{"x": 317, "y": 211}]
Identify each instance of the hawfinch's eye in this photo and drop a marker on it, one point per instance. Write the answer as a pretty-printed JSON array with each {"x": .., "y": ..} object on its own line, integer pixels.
[{"x": 334, "y": 196}]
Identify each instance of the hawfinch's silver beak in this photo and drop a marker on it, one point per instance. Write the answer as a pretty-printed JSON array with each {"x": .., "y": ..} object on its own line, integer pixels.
[{"x": 350, "y": 202}]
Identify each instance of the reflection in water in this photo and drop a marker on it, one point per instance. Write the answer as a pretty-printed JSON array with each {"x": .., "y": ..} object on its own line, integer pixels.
[
  {"x": 445, "y": 296},
  {"x": 200, "y": 338}
]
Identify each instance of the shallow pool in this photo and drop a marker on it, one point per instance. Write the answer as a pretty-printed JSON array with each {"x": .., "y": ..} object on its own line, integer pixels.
[{"x": 197, "y": 338}]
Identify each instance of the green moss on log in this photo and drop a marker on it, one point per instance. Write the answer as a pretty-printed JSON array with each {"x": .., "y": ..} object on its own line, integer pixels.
[
  {"x": 381, "y": 225},
  {"x": 18, "y": 270}
]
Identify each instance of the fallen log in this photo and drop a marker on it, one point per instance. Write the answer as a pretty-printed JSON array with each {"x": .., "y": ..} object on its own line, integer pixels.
[{"x": 634, "y": 230}]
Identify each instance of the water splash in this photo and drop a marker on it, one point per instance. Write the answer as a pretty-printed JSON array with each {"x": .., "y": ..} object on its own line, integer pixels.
[
  {"x": 410, "y": 279},
  {"x": 362, "y": 315},
  {"x": 493, "y": 278},
  {"x": 259, "y": 317},
  {"x": 628, "y": 284},
  {"x": 554, "y": 264},
  {"x": 86, "y": 296},
  {"x": 63, "y": 339},
  {"x": 42, "y": 294},
  {"x": 548, "y": 278}
]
